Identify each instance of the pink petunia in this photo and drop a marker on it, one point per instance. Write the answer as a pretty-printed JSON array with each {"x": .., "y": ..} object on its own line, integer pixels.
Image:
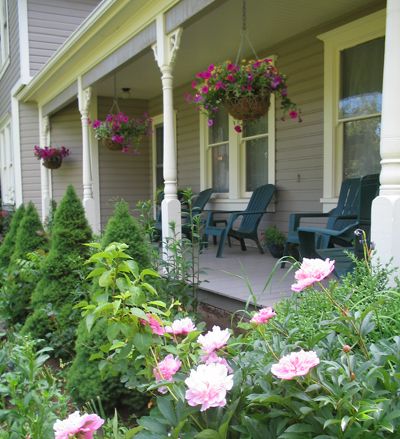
[
  {"x": 230, "y": 78},
  {"x": 214, "y": 339},
  {"x": 84, "y": 426},
  {"x": 238, "y": 128},
  {"x": 311, "y": 271},
  {"x": 117, "y": 138},
  {"x": 181, "y": 327},
  {"x": 207, "y": 386},
  {"x": 96, "y": 123},
  {"x": 295, "y": 364},
  {"x": 210, "y": 122},
  {"x": 293, "y": 114},
  {"x": 204, "y": 90},
  {"x": 263, "y": 316},
  {"x": 194, "y": 84}
]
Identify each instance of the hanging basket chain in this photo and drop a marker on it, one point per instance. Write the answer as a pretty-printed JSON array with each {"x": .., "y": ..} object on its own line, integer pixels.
[
  {"x": 115, "y": 105},
  {"x": 244, "y": 37}
]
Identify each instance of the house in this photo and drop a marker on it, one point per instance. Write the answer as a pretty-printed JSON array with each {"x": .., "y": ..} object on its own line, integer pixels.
[{"x": 64, "y": 62}]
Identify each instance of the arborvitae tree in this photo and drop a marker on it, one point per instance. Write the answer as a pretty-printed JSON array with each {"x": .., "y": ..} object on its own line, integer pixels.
[
  {"x": 7, "y": 247},
  {"x": 85, "y": 381},
  {"x": 22, "y": 271},
  {"x": 123, "y": 227},
  {"x": 59, "y": 289}
]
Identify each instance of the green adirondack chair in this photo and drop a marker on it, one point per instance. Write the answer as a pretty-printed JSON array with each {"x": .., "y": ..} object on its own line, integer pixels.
[
  {"x": 345, "y": 213},
  {"x": 369, "y": 187},
  {"x": 198, "y": 205},
  {"x": 248, "y": 226}
]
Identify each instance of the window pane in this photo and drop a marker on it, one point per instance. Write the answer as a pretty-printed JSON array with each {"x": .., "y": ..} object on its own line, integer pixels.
[
  {"x": 361, "y": 147},
  {"x": 256, "y": 163},
  {"x": 254, "y": 127},
  {"x": 159, "y": 132},
  {"x": 219, "y": 132},
  {"x": 361, "y": 79},
  {"x": 220, "y": 168}
]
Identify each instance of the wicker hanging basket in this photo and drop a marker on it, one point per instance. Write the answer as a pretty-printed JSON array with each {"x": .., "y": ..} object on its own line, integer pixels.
[
  {"x": 53, "y": 162},
  {"x": 248, "y": 107},
  {"x": 113, "y": 146}
]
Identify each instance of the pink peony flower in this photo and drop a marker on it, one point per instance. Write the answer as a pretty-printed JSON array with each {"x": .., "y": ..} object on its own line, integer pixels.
[
  {"x": 207, "y": 385},
  {"x": 263, "y": 316},
  {"x": 167, "y": 368},
  {"x": 75, "y": 424},
  {"x": 214, "y": 358},
  {"x": 295, "y": 364},
  {"x": 154, "y": 324},
  {"x": 214, "y": 339},
  {"x": 181, "y": 327},
  {"x": 311, "y": 271}
]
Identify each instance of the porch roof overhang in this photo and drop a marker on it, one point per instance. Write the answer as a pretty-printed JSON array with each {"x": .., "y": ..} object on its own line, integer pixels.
[
  {"x": 117, "y": 28},
  {"x": 93, "y": 42}
]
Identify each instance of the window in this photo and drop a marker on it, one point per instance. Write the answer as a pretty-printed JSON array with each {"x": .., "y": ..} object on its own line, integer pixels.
[
  {"x": 235, "y": 164},
  {"x": 353, "y": 74},
  {"x": 4, "y": 36},
  {"x": 6, "y": 164}
]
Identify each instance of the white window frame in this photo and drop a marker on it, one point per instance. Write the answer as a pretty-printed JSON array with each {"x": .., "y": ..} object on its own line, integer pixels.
[
  {"x": 237, "y": 197},
  {"x": 349, "y": 35},
  {"x": 7, "y": 162},
  {"x": 4, "y": 37}
]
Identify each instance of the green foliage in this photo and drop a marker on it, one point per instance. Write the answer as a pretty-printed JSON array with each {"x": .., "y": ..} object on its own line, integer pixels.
[
  {"x": 62, "y": 283},
  {"x": 30, "y": 235},
  {"x": 7, "y": 247},
  {"x": 23, "y": 271},
  {"x": 123, "y": 227},
  {"x": 30, "y": 394},
  {"x": 273, "y": 235}
]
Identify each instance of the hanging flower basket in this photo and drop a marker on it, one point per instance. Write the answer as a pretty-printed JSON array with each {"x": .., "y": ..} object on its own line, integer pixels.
[
  {"x": 248, "y": 107},
  {"x": 244, "y": 89},
  {"x": 113, "y": 146},
  {"x": 53, "y": 162},
  {"x": 118, "y": 132},
  {"x": 51, "y": 157}
]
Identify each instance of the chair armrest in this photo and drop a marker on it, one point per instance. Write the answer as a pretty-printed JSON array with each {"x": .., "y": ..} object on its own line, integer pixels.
[
  {"x": 295, "y": 218},
  {"x": 211, "y": 213},
  {"x": 330, "y": 232}
]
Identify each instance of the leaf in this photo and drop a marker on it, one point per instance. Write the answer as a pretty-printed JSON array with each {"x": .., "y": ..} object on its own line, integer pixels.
[
  {"x": 344, "y": 422},
  {"x": 367, "y": 325},
  {"x": 142, "y": 342},
  {"x": 167, "y": 410},
  {"x": 90, "y": 318},
  {"x": 117, "y": 345},
  {"x": 208, "y": 434},
  {"x": 106, "y": 279},
  {"x": 139, "y": 313}
]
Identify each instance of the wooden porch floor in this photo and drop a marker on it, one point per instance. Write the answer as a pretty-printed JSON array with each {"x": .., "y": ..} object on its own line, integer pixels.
[{"x": 224, "y": 280}]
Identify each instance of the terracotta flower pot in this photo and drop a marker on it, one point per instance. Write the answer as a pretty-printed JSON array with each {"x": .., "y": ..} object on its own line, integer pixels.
[{"x": 248, "y": 107}]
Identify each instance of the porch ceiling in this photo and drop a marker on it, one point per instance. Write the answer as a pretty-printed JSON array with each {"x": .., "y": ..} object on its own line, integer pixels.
[{"x": 215, "y": 36}]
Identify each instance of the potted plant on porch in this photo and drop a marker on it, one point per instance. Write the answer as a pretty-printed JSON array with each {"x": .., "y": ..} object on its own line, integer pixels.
[
  {"x": 244, "y": 89},
  {"x": 275, "y": 240},
  {"x": 118, "y": 132},
  {"x": 52, "y": 157}
]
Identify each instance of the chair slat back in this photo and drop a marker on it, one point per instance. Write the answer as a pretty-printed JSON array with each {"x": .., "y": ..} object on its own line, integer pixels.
[
  {"x": 259, "y": 201},
  {"x": 202, "y": 199}
]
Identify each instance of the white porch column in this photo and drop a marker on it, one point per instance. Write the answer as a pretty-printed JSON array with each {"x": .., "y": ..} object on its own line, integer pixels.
[
  {"x": 165, "y": 52},
  {"x": 385, "y": 220},
  {"x": 45, "y": 174},
  {"x": 84, "y": 97}
]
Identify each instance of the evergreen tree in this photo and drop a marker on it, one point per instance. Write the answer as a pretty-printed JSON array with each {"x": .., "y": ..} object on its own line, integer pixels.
[
  {"x": 123, "y": 227},
  {"x": 59, "y": 288},
  {"x": 22, "y": 272},
  {"x": 7, "y": 247},
  {"x": 85, "y": 381}
]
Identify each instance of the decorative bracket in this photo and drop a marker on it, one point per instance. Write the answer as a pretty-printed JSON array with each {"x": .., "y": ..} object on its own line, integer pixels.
[
  {"x": 166, "y": 47},
  {"x": 84, "y": 98}
]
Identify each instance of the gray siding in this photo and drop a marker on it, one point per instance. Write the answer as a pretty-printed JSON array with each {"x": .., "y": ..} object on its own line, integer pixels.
[
  {"x": 12, "y": 73},
  {"x": 50, "y": 23},
  {"x": 30, "y": 166},
  {"x": 65, "y": 129},
  {"x": 123, "y": 176},
  {"x": 187, "y": 137}
]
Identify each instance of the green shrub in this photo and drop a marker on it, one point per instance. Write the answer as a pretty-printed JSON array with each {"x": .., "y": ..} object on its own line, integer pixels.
[
  {"x": 22, "y": 274},
  {"x": 63, "y": 280},
  {"x": 123, "y": 227},
  {"x": 7, "y": 247},
  {"x": 30, "y": 394},
  {"x": 85, "y": 380}
]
